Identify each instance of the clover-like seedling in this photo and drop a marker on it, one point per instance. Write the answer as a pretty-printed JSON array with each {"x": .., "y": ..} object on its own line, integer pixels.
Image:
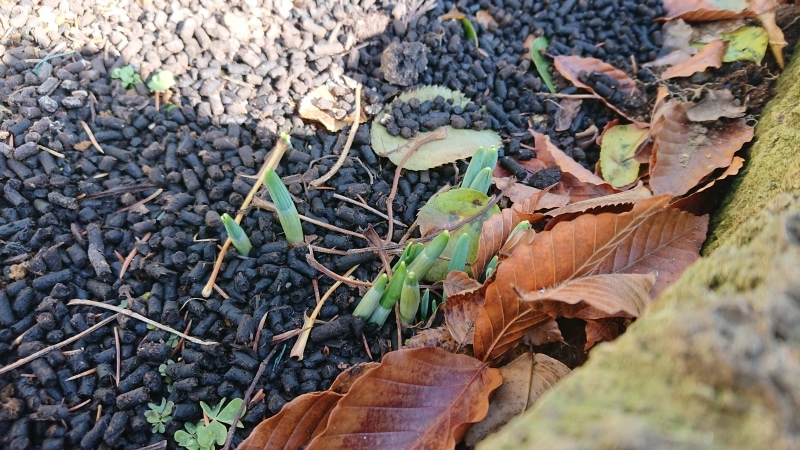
[
  {"x": 212, "y": 430},
  {"x": 127, "y": 76},
  {"x": 160, "y": 82},
  {"x": 159, "y": 415},
  {"x": 162, "y": 369}
]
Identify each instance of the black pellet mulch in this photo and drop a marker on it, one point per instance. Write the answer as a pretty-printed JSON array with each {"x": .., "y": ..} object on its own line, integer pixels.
[{"x": 241, "y": 69}]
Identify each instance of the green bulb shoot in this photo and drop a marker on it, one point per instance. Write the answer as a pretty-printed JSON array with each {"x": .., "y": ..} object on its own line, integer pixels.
[
  {"x": 425, "y": 260},
  {"x": 425, "y": 304},
  {"x": 483, "y": 181},
  {"x": 238, "y": 236},
  {"x": 475, "y": 166},
  {"x": 284, "y": 206},
  {"x": 490, "y": 268},
  {"x": 372, "y": 298},
  {"x": 409, "y": 298},
  {"x": 458, "y": 260}
]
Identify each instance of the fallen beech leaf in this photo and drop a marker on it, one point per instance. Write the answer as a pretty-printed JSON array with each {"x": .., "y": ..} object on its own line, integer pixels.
[
  {"x": 544, "y": 333},
  {"x": 82, "y": 146},
  {"x": 746, "y": 44},
  {"x": 570, "y": 66},
  {"x": 616, "y": 294},
  {"x": 618, "y": 146},
  {"x": 569, "y": 108},
  {"x": 552, "y": 155},
  {"x": 524, "y": 380},
  {"x": 434, "y": 337},
  {"x": 570, "y": 250},
  {"x": 460, "y": 311},
  {"x": 426, "y": 398},
  {"x": 705, "y": 10},
  {"x": 666, "y": 243},
  {"x": 457, "y": 281},
  {"x": 686, "y": 152},
  {"x": 709, "y": 56},
  {"x": 484, "y": 18},
  {"x": 520, "y": 192},
  {"x": 601, "y": 330},
  {"x": 717, "y": 104},
  {"x": 311, "y": 112},
  {"x": 708, "y": 32},
  {"x": 697, "y": 202},
  {"x": 676, "y": 47},
  {"x": 345, "y": 380},
  {"x": 620, "y": 198},
  {"x": 579, "y": 191}
]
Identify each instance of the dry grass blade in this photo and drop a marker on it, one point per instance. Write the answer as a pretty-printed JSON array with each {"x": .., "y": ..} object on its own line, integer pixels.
[
  {"x": 428, "y": 397},
  {"x": 350, "y": 137}
]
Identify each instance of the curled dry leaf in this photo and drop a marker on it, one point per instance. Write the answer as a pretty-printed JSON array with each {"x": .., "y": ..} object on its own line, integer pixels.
[
  {"x": 686, "y": 152},
  {"x": 524, "y": 380},
  {"x": 717, "y": 104},
  {"x": 698, "y": 203},
  {"x": 766, "y": 9},
  {"x": 552, "y": 155},
  {"x": 484, "y": 18},
  {"x": 572, "y": 249},
  {"x": 628, "y": 197},
  {"x": 457, "y": 281},
  {"x": 460, "y": 312},
  {"x": 428, "y": 398},
  {"x": 568, "y": 109},
  {"x": 709, "y": 56},
  {"x": 677, "y": 46},
  {"x": 570, "y": 66},
  {"x": 705, "y": 10},
  {"x": 304, "y": 417},
  {"x": 544, "y": 333},
  {"x": 435, "y": 337},
  {"x": 311, "y": 112},
  {"x": 601, "y": 330},
  {"x": 519, "y": 192}
]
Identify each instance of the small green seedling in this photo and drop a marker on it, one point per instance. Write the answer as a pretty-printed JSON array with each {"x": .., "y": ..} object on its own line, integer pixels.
[
  {"x": 162, "y": 369},
  {"x": 425, "y": 304},
  {"x": 409, "y": 298},
  {"x": 159, "y": 415},
  {"x": 127, "y": 75},
  {"x": 160, "y": 82},
  {"x": 370, "y": 300},
  {"x": 238, "y": 236},
  {"x": 212, "y": 430},
  {"x": 284, "y": 206},
  {"x": 490, "y": 268}
]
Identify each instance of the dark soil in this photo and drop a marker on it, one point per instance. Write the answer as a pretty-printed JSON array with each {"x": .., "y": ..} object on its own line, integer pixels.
[{"x": 242, "y": 68}]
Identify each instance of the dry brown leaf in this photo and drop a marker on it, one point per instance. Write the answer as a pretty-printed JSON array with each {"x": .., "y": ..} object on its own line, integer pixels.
[
  {"x": 676, "y": 47},
  {"x": 569, "y": 108},
  {"x": 543, "y": 334},
  {"x": 520, "y": 238},
  {"x": 717, "y": 104},
  {"x": 427, "y": 399},
  {"x": 458, "y": 281},
  {"x": 666, "y": 243},
  {"x": 776, "y": 39},
  {"x": 698, "y": 203},
  {"x": 460, "y": 312},
  {"x": 434, "y": 337},
  {"x": 614, "y": 295},
  {"x": 82, "y": 146},
  {"x": 304, "y": 417},
  {"x": 570, "y": 250},
  {"x": 704, "y": 10},
  {"x": 494, "y": 233},
  {"x": 620, "y": 198},
  {"x": 570, "y": 66},
  {"x": 687, "y": 152},
  {"x": 309, "y": 111},
  {"x": 454, "y": 13},
  {"x": 524, "y": 380},
  {"x": 601, "y": 330},
  {"x": 519, "y": 193},
  {"x": 709, "y": 56},
  {"x": 484, "y": 18},
  {"x": 552, "y": 155}
]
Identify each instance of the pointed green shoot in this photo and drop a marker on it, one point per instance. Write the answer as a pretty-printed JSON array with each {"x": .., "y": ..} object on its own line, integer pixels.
[
  {"x": 409, "y": 298},
  {"x": 482, "y": 181},
  {"x": 372, "y": 298},
  {"x": 392, "y": 292},
  {"x": 458, "y": 260},
  {"x": 284, "y": 206},
  {"x": 425, "y": 304},
  {"x": 490, "y": 158},
  {"x": 238, "y": 236},
  {"x": 380, "y": 315},
  {"x": 285, "y": 138},
  {"x": 423, "y": 263},
  {"x": 524, "y": 225},
  {"x": 475, "y": 166},
  {"x": 491, "y": 267}
]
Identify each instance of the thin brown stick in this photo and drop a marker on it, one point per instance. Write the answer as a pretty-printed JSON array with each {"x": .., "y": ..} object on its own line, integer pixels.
[
  {"x": 286, "y": 335},
  {"x": 82, "y": 374},
  {"x": 99, "y": 413},
  {"x": 119, "y": 257},
  {"x": 51, "y": 151},
  {"x": 63, "y": 343},
  {"x": 364, "y": 205},
  {"x": 374, "y": 239},
  {"x": 300, "y": 346},
  {"x": 91, "y": 137},
  {"x": 80, "y": 405},
  {"x": 119, "y": 354},
  {"x": 315, "y": 284},
  {"x": 131, "y": 255},
  {"x": 315, "y": 264},
  {"x": 576, "y": 96},
  {"x": 144, "y": 319},
  {"x": 182, "y": 342},
  {"x": 270, "y": 163},
  {"x": 399, "y": 324},
  {"x": 140, "y": 202},
  {"x": 222, "y": 293},
  {"x": 350, "y": 137},
  {"x": 261, "y": 203},
  {"x": 261, "y": 368},
  {"x": 366, "y": 347},
  {"x": 441, "y": 133}
]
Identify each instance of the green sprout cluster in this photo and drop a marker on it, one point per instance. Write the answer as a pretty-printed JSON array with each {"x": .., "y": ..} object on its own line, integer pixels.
[
  {"x": 161, "y": 81},
  {"x": 159, "y": 415},
  {"x": 213, "y": 429},
  {"x": 478, "y": 176},
  {"x": 127, "y": 76}
]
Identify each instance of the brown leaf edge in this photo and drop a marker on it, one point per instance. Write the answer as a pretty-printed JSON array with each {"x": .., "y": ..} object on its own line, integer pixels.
[{"x": 709, "y": 56}]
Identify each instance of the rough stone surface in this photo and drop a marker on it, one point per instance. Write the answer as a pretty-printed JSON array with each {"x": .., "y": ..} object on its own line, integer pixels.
[{"x": 401, "y": 63}]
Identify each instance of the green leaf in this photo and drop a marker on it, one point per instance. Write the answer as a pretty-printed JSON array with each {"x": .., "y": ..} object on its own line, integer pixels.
[
  {"x": 208, "y": 410},
  {"x": 746, "y": 44},
  {"x": 447, "y": 209},
  {"x": 186, "y": 440},
  {"x": 229, "y": 413},
  {"x": 206, "y": 435},
  {"x": 152, "y": 416},
  {"x": 168, "y": 409},
  {"x": 542, "y": 66},
  {"x": 469, "y": 30},
  {"x": 619, "y": 145},
  {"x": 116, "y": 73},
  {"x": 459, "y": 144},
  {"x": 161, "y": 81},
  {"x": 190, "y": 427}
]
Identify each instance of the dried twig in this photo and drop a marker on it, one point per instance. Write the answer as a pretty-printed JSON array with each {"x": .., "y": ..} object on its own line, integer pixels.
[
  {"x": 316, "y": 264},
  {"x": 300, "y": 345},
  {"x": 51, "y": 151},
  {"x": 364, "y": 205},
  {"x": 270, "y": 163},
  {"x": 129, "y": 313},
  {"x": 119, "y": 354},
  {"x": 261, "y": 368},
  {"x": 91, "y": 137},
  {"x": 366, "y": 347},
  {"x": 441, "y": 133},
  {"x": 82, "y": 374},
  {"x": 133, "y": 253},
  {"x": 80, "y": 405},
  {"x": 353, "y": 130},
  {"x": 182, "y": 341},
  {"x": 63, "y": 343},
  {"x": 140, "y": 202},
  {"x": 286, "y": 335}
]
